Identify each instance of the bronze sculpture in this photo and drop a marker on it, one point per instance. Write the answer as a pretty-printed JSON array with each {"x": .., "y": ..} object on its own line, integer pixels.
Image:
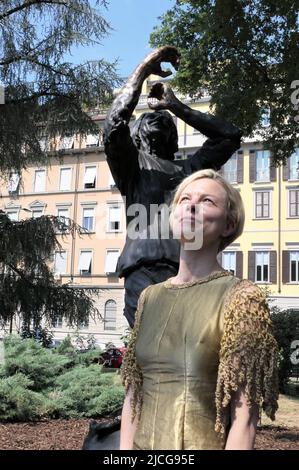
[{"x": 143, "y": 167}]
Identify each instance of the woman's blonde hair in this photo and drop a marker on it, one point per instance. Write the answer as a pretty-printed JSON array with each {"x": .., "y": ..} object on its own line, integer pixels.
[{"x": 235, "y": 207}]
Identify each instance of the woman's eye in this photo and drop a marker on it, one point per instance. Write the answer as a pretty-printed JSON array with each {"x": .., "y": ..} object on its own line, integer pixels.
[{"x": 209, "y": 200}]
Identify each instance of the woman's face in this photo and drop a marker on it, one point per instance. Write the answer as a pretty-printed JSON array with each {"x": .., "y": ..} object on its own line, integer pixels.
[{"x": 201, "y": 213}]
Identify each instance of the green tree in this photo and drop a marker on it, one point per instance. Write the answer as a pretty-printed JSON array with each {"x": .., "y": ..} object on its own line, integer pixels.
[
  {"x": 245, "y": 54},
  {"x": 44, "y": 96},
  {"x": 27, "y": 286}
]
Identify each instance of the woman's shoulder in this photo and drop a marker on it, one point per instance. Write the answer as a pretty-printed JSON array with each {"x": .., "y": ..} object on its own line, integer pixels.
[
  {"x": 245, "y": 299},
  {"x": 244, "y": 288}
]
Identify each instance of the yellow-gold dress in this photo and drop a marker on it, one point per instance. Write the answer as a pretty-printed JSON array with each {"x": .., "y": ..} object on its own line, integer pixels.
[{"x": 192, "y": 346}]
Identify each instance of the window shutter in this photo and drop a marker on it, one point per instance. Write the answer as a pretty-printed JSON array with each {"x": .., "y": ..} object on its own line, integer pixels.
[
  {"x": 65, "y": 179},
  {"x": 90, "y": 175},
  {"x": 88, "y": 212},
  {"x": 40, "y": 181},
  {"x": 286, "y": 170},
  {"x": 272, "y": 169},
  {"x": 14, "y": 181},
  {"x": 66, "y": 143},
  {"x": 60, "y": 262},
  {"x": 92, "y": 140},
  {"x": 114, "y": 214},
  {"x": 239, "y": 264},
  {"x": 273, "y": 267},
  {"x": 251, "y": 265},
  {"x": 252, "y": 166},
  {"x": 111, "y": 261},
  {"x": 240, "y": 166},
  {"x": 285, "y": 266},
  {"x": 84, "y": 261}
]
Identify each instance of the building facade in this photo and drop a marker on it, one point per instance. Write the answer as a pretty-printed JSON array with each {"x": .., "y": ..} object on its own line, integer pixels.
[{"x": 80, "y": 186}]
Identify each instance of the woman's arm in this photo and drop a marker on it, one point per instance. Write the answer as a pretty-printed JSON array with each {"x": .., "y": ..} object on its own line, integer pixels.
[
  {"x": 128, "y": 428},
  {"x": 244, "y": 421}
]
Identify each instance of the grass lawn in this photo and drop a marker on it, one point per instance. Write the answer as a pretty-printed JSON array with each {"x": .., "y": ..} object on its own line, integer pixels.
[{"x": 287, "y": 414}]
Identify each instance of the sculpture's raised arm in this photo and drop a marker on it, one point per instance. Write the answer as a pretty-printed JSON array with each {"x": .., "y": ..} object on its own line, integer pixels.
[
  {"x": 120, "y": 149},
  {"x": 223, "y": 137}
]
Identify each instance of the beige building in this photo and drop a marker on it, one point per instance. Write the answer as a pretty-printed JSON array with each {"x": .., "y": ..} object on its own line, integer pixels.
[{"x": 80, "y": 186}]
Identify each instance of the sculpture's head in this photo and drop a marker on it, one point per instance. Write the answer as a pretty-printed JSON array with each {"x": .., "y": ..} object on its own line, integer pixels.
[{"x": 156, "y": 133}]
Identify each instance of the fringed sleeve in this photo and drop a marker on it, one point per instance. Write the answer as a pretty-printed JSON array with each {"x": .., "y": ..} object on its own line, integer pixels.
[
  {"x": 248, "y": 353},
  {"x": 131, "y": 372}
]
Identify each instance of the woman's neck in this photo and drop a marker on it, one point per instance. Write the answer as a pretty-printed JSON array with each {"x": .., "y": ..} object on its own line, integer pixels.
[{"x": 196, "y": 265}]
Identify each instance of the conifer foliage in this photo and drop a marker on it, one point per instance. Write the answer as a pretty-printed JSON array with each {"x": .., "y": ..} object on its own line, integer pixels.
[{"x": 44, "y": 95}]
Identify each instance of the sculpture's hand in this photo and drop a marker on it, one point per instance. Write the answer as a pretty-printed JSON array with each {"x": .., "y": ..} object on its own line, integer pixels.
[
  {"x": 161, "y": 96},
  {"x": 153, "y": 61}
]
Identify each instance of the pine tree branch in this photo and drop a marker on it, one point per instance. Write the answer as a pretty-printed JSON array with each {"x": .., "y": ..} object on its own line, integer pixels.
[
  {"x": 40, "y": 94},
  {"x": 29, "y": 3}
]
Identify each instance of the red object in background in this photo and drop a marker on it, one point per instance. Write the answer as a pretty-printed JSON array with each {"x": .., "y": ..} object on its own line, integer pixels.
[{"x": 113, "y": 357}]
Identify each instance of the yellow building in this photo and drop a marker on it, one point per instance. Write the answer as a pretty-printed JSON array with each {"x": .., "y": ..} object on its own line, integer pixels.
[{"x": 80, "y": 186}]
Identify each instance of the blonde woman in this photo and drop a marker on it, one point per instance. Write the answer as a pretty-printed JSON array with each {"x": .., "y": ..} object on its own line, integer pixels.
[{"x": 202, "y": 359}]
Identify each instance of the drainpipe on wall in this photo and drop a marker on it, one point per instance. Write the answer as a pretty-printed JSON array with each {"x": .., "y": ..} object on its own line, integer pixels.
[
  {"x": 279, "y": 230},
  {"x": 75, "y": 218}
]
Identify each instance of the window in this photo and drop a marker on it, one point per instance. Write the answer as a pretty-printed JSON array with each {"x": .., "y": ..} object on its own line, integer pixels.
[
  {"x": 66, "y": 143},
  {"x": 294, "y": 202},
  {"x": 294, "y": 266},
  {"x": 13, "y": 215},
  {"x": 262, "y": 204},
  {"x": 265, "y": 117},
  {"x": 57, "y": 321},
  {"x": 65, "y": 179},
  {"x": 36, "y": 213},
  {"x": 84, "y": 267},
  {"x": 39, "y": 181},
  {"x": 60, "y": 262},
  {"x": 111, "y": 261},
  {"x": 229, "y": 261},
  {"x": 63, "y": 215},
  {"x": 92, "y": 140},
  {"x": 262, "y": 165},
  {"x": 230, "y": 169},
  {"x": 83, "y": 324},
  {"x": 114, "y": 217},
  {"x": 294, "y": 165},
  {"x": 262, "y": 266},
  {"x": 111, "y": 181},
  {"x": 110, "y": 315},
  {"x": 88, "y": 219},
  {"x": 90, "y": 177},
  {"x": 44, "y": 144},
  {"x": 14, "y": 182}
]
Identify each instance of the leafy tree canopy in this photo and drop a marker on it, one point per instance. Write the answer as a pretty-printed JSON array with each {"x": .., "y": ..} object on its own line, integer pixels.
[
  {"x": 44, "y": 94},
  {"x": 245, "y": 54}
]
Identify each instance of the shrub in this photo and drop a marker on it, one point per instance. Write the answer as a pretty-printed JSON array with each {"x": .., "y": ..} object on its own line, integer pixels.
[
  {"x": 285, "y": 330},
  {"x": 29, "y": 358},
  {"x": 78, "y": 390},
  {"x": 36, "y": 382},
  {"x": 17, "y": 401}
]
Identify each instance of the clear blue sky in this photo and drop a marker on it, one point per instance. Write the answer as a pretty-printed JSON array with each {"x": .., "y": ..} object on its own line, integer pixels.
[{"x": 132, "y": 22}]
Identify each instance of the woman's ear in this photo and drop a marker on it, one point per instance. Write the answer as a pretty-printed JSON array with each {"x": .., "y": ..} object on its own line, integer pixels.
[{"x": 230, "y": 228}]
